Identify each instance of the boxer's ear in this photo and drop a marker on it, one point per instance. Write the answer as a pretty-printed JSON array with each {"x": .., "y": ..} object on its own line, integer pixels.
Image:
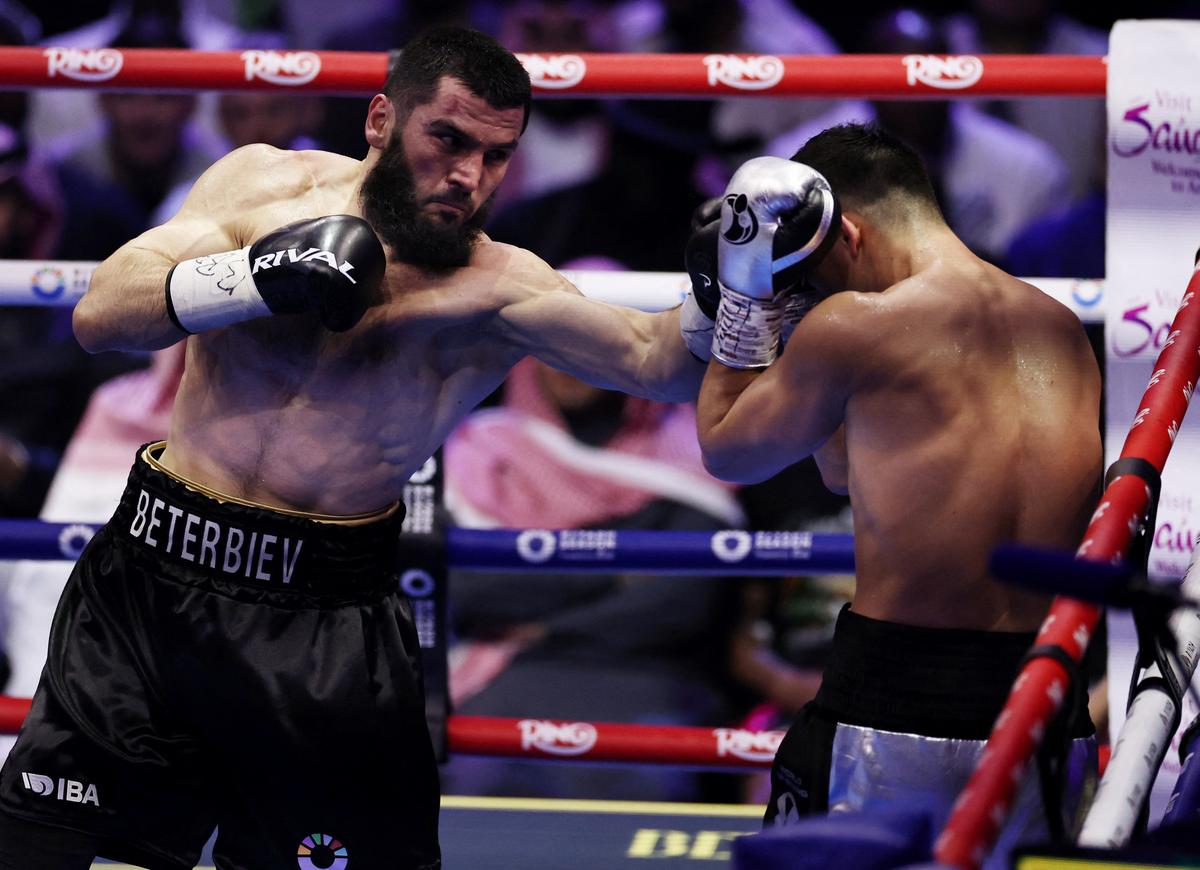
[
  {"x": 851, "y": 232},
  {"x": 381, "y": 117}
]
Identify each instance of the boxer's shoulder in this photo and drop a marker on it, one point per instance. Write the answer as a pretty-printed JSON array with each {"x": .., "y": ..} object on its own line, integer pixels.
[{"x": 259, "y": 175}]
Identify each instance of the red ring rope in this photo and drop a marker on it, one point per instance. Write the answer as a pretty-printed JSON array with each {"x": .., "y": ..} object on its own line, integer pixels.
[
  {"x": 595, "y": 75},
  {"x": 730, "y": 748}
]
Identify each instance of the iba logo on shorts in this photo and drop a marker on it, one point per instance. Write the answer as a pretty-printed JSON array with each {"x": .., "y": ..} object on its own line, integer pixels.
[
  {"x": 61, "y": 789},
  {"x": 322, "y": 852}
]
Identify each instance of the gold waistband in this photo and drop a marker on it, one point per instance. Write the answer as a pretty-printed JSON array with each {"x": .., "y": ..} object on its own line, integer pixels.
[{"x": 336, "y": 519}]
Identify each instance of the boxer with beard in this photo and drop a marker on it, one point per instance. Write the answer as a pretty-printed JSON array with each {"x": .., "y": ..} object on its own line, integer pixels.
[
  {"x": 389, "y": 204},
  {"x": 231, "y": 650}
]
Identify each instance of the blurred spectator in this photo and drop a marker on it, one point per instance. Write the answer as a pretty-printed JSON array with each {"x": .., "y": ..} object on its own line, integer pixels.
[
  {"x": 1068, "y": 242},
  {"x": 47, "y": 211},
  {"x": 1072, "y": 125},
  {"x": 567, "y": 140},
  {"x": 637, "y": 210},
  {"x": 65, "y": 112},
  {"x": 584, "y": 647},
  {"x": 341, "y": 128},
  {"x": 741, "y": 126},
  {"x": 122, "y": 415},
  {"x": 991, "y": 178},
  {"x": 146, "y": 145},
  {"x": 277, "y": 118}
]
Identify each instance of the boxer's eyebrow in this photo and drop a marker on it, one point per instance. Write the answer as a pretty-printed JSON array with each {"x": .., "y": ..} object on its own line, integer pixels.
[{"x": 441, "y": 126}]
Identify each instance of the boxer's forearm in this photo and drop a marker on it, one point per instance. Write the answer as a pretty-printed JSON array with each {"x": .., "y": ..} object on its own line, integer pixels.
[
  {"x": 723, "y": 441},
  {"x": 125, "y": 306}
]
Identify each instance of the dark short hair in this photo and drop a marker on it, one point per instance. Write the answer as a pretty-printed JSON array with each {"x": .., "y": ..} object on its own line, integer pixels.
[
  {"x": 865, "y": 164},
  {"x": 488, "y": 69}
]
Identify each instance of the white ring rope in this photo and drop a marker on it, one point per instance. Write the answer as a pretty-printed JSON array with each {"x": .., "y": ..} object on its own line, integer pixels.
[{"x": 63, "y": 282}]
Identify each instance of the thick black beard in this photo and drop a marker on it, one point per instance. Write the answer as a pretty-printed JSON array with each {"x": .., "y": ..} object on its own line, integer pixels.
[{"x": 389, "y": 203}]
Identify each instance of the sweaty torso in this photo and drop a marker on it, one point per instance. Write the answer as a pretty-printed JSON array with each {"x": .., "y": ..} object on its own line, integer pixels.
[
  {"x": 284, "y": 413},
  {"x": 977, "y": 424}
]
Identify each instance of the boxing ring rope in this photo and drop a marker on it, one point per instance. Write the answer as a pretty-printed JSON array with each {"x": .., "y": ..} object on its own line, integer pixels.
[
  {"x": 730, "y": 551},
  {"x": 728, "y": 749},
  {"x": 583, "y": 74},
  {"x": 1042, "y": 684},
  {"x": 63, "y": 282}
]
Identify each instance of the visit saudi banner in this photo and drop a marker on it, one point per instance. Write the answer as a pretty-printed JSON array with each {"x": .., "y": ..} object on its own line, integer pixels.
[{"x": 1153, "y": 227}]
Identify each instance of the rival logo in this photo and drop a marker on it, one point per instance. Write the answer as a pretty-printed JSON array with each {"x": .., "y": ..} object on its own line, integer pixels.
[
  {"x": 269, "y": 261},
  {"x": 950, "y": 73},
  {"x": 569, "y": 738},
  {"x": 554, "y": 72},
  {"x": 291, "y": 68},
  {"x": 63, "y": 789},
  {"x": 746, "y": 73},
  {"x": 84, "y": 65},
  {"x": 747, "y": 745}
]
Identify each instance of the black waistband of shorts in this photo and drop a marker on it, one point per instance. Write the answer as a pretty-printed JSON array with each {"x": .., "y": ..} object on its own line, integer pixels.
[
  {"x": 940, "y": 682},
  {"x": 251, "y": 545}
]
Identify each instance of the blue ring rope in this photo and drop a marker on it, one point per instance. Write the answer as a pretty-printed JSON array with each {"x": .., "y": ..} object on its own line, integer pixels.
[{"x": 731, "y": 551}]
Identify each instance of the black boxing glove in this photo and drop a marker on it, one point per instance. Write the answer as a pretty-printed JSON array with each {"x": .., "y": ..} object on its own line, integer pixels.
[
  {"x": 332, "y": 265},
  {"x": 698, "y": 313}
]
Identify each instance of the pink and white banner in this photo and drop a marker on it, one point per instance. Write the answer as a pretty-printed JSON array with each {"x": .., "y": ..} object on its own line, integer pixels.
[{"x": 1153, "y": 234}]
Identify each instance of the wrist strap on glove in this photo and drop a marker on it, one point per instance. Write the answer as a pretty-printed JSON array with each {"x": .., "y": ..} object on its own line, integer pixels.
[
  {"x": 214, "y": 290},
  {"x": 696, "y": 328},
  {"x": 747, "y": 330}
]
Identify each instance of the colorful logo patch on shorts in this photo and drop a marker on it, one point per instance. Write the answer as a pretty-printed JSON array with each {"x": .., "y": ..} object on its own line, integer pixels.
[{"x": 321, "y": 852}]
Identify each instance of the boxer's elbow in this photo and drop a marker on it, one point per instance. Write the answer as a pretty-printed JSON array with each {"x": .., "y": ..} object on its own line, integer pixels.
[
  {"x": 91, "y": 327},
  {"x": 727, "y": 460}
]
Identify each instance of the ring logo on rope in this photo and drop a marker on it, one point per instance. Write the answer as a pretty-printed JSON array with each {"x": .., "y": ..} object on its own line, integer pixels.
[
  {"x": 536, "y": 545},
  {"x": 289, "y": 68},
  {"x": 752, "y": 73},
  {"x": 554, "y": 72},
  {"x": 950, "y": 73},
  {"x": 72, "y": 539},
  {"x": 84, "y": 65},
  {"x": 747, "y": 745},
  {"x": 417, "y": 583},
  {"x": 568, "y": 738},
  {"x": 732, "y": 545},
  {"x": 48, "y": 283}
]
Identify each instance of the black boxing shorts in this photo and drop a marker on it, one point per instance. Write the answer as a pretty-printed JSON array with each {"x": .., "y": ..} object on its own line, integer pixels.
[
  {"x": 218, "y": 664},
  {"x": 901, "y": 719}
]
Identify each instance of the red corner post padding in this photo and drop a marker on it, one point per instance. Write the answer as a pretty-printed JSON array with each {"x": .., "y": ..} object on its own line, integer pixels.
[
  {"x": 12, "y": 713},
  {"x": 1041, "y": 685}
]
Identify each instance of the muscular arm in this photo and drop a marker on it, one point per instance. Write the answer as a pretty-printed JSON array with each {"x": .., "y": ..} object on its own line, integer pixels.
[
  {"x": 754, "y": 423},
  {"x": 606, "y": 345},
  {"x": 125, "y": 305}
]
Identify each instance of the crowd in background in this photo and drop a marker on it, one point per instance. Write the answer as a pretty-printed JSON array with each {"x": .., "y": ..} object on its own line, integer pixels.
[{"x": 595, "y": 183}]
